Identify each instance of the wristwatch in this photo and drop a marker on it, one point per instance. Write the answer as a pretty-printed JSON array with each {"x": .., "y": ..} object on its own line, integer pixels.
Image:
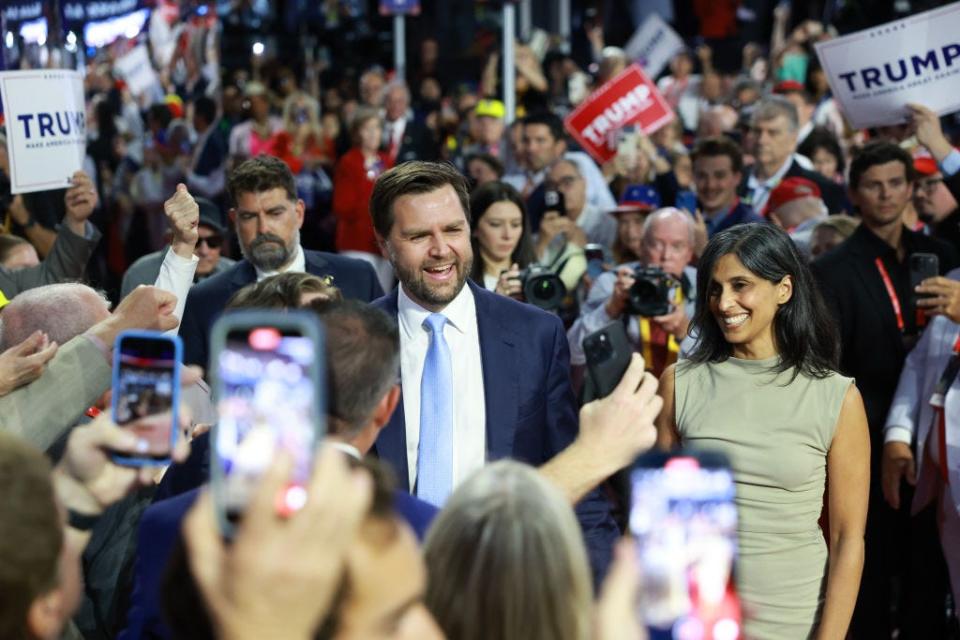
[{"x": 81, "y": 521}]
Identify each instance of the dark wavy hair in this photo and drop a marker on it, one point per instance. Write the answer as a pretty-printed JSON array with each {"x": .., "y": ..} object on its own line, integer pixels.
[
  {"x": 805, "y": 335},
  {"x": 484, "y": 197}
]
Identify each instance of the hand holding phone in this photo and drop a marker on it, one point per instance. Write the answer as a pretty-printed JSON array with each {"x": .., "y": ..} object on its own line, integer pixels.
[
  {"x": 608, "y": 353},
  {"x": 595, "y": 260},
  {"x": 146, "y": 394}
]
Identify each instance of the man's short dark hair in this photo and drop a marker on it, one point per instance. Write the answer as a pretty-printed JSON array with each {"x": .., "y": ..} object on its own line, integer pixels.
[
  {"x": 363, "y": 361},
  {"x": 206, "y": 108},
  {"x": 719, "y": 146},
  {"x": 31, "y": 534},
  {"x": 413, "y": 178},
  {"x": 879, "y": 152},
  {"x": 259, "y": 174},
  {"x": 548, "y": 119}
]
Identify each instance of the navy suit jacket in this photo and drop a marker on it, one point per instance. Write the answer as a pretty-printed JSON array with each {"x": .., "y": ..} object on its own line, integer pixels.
[
  {"x": 160, "y": 531},
  {"x": 740, "y": 214},
  {"x": 531, "y": 410},
  {"x": 356, "y": 279}
]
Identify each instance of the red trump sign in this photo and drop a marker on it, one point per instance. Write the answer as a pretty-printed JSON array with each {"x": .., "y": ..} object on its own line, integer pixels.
[{"x": 630, "y": 98}]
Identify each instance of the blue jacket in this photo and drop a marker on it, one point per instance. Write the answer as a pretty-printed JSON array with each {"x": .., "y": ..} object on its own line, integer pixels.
[
  {"x": 160, "y": 530},
  {"x": 741, "y": 213},
  {"x": 531, "y": 410},
  {"x": 356, "y": 279}
]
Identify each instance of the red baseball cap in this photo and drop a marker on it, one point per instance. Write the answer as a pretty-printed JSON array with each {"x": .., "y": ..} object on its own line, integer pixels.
[
  {"x": 925, "y": 165},
  {"x": 788, "y": 190},
  {"x": 786, "y": 86}
]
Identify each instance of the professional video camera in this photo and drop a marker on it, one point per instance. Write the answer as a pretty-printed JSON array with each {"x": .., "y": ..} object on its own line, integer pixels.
[
  {"x": 652, "y": 293},
  {"x": 542, "y": 287}
]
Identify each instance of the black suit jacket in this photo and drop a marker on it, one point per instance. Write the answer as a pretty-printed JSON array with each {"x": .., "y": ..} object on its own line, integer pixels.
[
  {"x": 531, "y": 412},
  {"x": 832, "y": 194},
  {"x": 872, "y": 349},
  {"x": 355, "y": 278},
  {"x": 417, "y": 143}
]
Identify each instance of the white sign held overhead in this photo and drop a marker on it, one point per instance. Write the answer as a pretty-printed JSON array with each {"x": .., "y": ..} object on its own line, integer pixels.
[
  {"x": 46, "y": 127},
  {"x": 874, "y": 73},
  {"x": 137, "y": 71},
  {"x": 653, "y": 45}
]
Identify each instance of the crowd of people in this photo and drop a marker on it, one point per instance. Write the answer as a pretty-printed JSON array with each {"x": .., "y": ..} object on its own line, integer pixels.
[{"x": 759, "y": 253}]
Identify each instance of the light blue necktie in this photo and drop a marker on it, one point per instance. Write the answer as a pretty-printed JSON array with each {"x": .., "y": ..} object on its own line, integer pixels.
[{"x": 435, "y": 450}]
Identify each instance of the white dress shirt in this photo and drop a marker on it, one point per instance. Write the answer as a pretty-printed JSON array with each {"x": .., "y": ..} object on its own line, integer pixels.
[
  {"x": 469, "y": 407},
  {"x": 299, "y": 265},
  {"x": 176, "y": 276},
  {"x": 760, "y": 191}
]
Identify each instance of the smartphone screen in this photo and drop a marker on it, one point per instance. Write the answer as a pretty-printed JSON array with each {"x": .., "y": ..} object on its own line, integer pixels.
[
  {"x": 146, "y": 384},
  {"x": 267, "y": 386},
  {"x": 684, "y": 521},
  {"x": 594, "y": 255}
]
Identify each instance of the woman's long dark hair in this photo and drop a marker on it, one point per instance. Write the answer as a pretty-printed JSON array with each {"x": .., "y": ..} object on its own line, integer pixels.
[
  {"x": 805, "y": 335},
  {"x": 484, "y": 197}
]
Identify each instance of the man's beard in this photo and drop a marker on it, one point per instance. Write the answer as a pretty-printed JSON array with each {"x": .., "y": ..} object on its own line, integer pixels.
[
  {"x": 416, "y": 286},
  {"x": 268, "y": 252}
]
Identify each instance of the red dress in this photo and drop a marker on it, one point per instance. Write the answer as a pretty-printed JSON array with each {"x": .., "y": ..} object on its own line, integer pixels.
[{"x": 352, "y": 187}]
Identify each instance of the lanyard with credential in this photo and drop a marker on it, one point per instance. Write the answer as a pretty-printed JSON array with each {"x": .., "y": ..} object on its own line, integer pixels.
[
  {"x": 894, "y": 300},
  {"x": 938, "y": 402}
]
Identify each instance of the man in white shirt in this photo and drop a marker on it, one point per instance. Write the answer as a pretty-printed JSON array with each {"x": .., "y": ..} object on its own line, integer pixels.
[
  {"x": 774, "y": 126},
  {"x": 484, "y": 376}
]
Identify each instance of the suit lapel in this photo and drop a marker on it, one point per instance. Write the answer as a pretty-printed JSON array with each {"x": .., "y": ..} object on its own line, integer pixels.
[
  {"x": 316, "y": 263},
  {"x": 866, "y": 271},
  {"x": 498, "y": 359},
  {"x": 391, "y": 443},
  {"x": 243, "y": 274}
]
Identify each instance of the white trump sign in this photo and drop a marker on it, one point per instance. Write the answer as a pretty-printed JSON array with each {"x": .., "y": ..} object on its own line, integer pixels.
[
  {"x": 46, "y": 127},
  {"x": 874, "y": 73},
  {"x": 653, "y": 45},
  {"x": 137, "y": 70}
]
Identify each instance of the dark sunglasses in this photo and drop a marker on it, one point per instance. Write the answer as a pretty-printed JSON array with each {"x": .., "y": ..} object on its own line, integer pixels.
[{"x": 213, "y": 242}]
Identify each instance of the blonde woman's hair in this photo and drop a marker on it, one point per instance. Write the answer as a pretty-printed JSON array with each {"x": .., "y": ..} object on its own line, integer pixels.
[{"x": 506, "y": 561}]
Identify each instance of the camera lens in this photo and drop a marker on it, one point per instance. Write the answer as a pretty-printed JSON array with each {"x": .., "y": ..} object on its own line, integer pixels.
[{"x": 545, "y": 289}]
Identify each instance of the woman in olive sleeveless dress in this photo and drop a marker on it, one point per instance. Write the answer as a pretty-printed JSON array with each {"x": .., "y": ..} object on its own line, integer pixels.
[{"x": 761, "y": 386}]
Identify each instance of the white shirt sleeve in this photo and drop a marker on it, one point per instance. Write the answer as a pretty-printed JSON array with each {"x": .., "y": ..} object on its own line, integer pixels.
[
  {"x": 176, "y": 276},
  {"x": 905, "y": 409}
]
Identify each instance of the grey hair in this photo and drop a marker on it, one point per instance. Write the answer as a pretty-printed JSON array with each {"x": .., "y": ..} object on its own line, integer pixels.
[
  {"x": 62, "y": 311},
  {"x": 397, "y": 84},
  {"x": 505, "y": 559},
  {"x": 773, "y": 106},
  {"x": 668, "y": 213}
]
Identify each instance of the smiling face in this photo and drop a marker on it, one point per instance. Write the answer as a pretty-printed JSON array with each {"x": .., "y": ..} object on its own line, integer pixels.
[
  {"x": 429, "y": 246},
  {"x": 716, "y": 182},
  {"x": 745, "y": 306},
  {"x": 499, "y": 230},
  {"x": 268, "y": 227}
]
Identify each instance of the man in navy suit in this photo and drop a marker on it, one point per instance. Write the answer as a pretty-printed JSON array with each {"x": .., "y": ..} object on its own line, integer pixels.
[
  {"x": 363, "y": 353},
  {"x": 268, "y": 216},
  {"x": 485, "y": 376}
]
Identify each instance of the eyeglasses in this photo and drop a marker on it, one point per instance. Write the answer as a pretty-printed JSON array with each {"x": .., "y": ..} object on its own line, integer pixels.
[
  {"x": 929, "y": 185},
  {"x": 213, "y": 242}
]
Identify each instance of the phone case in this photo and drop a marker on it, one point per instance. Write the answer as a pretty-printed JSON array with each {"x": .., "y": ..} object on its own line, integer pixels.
[
  {"x": 922, "y": 266},
  {"x": 134, "y": 461},
  {"x": 307, "y": 325},
  {"x": 608, "y": 352}
]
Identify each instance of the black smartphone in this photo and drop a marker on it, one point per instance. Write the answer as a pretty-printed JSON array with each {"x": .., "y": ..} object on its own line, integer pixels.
[
  {"x": 146, "y": 393},
  {"x": 922, "y": 266},
  {"x": 554, "y": 200},
  {"x": 608, "y": 353},
  {"x": 269, "y": 388},
  {"x": 683, "y": 519},
  {"x": 595, "y": 259}
]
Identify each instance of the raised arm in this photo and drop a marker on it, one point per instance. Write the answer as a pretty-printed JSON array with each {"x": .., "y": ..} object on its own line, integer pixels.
[{"x": 848, "y": 476}]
